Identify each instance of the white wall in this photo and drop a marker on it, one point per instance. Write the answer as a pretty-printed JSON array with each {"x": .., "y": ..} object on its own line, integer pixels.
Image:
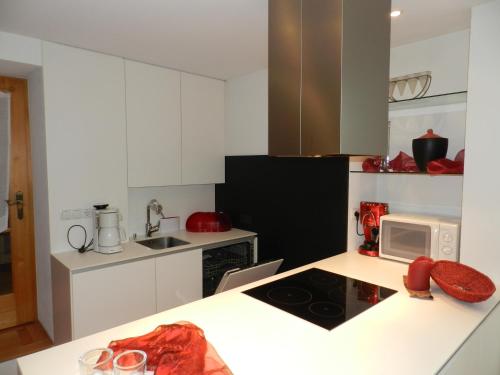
[
  {"x": 481, "y": 202},
  {"x": 179, "y": 201},
  {"x": 19, "y": 55},
  {"x": 446, "y": 56},
  {"x": 246, "y": 114},
  {"x": 40, "y": 197},
  {"x": 362, "y": 187},
  {"x": 447, "y": 121}
]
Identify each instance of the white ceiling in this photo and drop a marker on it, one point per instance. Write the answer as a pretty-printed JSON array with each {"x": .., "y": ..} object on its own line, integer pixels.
[
  {"x": 217, "y": 38},
  {"x": 423, "y": 19}
]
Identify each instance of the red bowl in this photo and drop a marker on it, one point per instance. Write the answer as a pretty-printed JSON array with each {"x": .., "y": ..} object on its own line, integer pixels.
[
  {"x": 462, "y": 282},
  {"x": 208, "y": 222}
]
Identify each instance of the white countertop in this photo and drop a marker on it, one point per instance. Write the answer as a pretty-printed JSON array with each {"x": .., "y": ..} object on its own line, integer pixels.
[
  {"x": 400, "y": 335},
  {"x": 76, "y": 262}
]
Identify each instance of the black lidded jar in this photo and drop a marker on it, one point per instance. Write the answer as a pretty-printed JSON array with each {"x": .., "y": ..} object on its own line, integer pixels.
[{"x": 427, "y": 148}]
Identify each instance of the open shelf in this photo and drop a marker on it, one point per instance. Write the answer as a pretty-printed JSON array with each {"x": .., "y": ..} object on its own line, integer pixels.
[{"x": 430, "y": 101}]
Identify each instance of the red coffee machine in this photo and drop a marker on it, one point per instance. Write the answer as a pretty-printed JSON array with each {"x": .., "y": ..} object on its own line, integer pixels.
[{"x": 369, "y": 217}]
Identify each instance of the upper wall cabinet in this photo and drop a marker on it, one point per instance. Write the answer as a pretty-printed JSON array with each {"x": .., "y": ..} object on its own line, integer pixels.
[
  {"x": 202, "y": 129},
  {"x": 153, "y": 125},
  {"x": 175, "y": 127}
]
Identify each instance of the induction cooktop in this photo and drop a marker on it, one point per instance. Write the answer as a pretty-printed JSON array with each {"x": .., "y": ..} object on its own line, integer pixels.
[{"x": 321, "y": 297}]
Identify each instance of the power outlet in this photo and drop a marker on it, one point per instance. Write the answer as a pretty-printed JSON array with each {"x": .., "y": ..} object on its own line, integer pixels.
[
  {"x": 77, "y": 213},
  {"x": 354, "y": 214}
]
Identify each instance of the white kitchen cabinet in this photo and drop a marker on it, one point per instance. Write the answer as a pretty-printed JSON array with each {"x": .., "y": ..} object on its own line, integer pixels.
[
  {"x": 202, "y": 102},
  {"x": 111, "y": 296},
  {"x": 85, "y": 130},
  {"x": 479, "y": 354},
  {"x": 153, "y": 125},
  {"x": 90, "y": 301},
  {"x": 179, "y": 279}
]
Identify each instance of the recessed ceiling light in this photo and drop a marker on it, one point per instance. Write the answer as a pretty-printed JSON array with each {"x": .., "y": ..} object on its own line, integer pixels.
[{"x": 395, "y": 13}]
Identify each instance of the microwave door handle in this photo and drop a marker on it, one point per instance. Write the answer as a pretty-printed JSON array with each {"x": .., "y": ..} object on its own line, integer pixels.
[{"x": 435, "y": 245}]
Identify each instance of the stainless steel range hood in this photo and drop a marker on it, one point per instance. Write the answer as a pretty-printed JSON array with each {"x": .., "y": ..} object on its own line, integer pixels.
[{"x": 328, "y": 77}]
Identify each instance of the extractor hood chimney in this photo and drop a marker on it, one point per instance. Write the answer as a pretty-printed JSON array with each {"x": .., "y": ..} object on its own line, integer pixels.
[{"x": 328, "y": 77}]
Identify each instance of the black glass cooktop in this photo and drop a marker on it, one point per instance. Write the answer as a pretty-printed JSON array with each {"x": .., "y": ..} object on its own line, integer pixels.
[{"x": 320, "y": 297}]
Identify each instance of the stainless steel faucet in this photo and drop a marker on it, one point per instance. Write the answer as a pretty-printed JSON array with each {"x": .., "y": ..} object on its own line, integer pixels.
[{"x": 158, "y": 209}]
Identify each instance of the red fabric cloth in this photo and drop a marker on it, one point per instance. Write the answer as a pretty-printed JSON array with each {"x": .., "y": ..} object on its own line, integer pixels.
[
  {"x": 372, "y": 164},
  {"x": 405, "y": 163},
  {"x": 447, "y": 166},
  {"x": 401, "y": 163},
  {"x": 175, "y": 349}
]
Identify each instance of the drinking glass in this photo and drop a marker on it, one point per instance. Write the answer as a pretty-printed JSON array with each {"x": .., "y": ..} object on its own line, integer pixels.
[
  {"x": 130, "y": 362},
  {"x": 96, "y": 362}
]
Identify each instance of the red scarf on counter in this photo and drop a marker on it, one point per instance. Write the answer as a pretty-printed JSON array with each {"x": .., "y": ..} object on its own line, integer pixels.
[{"x": 175, "y": 349}]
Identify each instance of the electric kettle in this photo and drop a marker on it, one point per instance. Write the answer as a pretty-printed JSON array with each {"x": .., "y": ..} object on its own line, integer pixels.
[{"x": 108, "y": 234}]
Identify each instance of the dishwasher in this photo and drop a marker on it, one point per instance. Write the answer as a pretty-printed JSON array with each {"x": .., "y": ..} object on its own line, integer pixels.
[{"x": 226, "y": 256}]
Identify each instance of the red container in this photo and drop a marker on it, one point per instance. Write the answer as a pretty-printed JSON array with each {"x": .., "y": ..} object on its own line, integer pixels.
[
  {"x": 208, "y": 222},
  {"x": 419, "y": 274},
  {"x": 462, "y": 282}
]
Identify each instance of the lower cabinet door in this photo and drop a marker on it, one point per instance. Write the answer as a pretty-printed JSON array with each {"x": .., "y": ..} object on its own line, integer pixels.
[
  {"x": 178, "y": 279},
  {"x": 111, "y": 296}
]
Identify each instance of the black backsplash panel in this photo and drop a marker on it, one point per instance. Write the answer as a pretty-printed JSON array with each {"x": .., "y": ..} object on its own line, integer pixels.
[{"x": 297, "y": 205}]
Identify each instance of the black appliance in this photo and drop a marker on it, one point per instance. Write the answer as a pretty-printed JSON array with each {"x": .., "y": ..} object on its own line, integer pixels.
[
  {"x": 218, "y": 260},
  {"x": 320, "y": 297},
  {"x": 297, "y": 205}
]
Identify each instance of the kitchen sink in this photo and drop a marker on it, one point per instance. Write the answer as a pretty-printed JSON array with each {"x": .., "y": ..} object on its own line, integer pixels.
[{"x": 160, "y": 243}]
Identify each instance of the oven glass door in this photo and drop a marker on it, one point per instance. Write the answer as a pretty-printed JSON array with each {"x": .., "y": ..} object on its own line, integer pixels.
[{"x": 405, "y": 240}]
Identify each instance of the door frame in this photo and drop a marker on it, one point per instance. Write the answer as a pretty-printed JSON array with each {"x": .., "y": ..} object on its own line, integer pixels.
[{"x": 21, "y": 231}]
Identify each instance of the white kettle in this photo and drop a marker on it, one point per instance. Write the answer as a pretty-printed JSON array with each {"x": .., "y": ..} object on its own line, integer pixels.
[{"x": 108, "y": 234}]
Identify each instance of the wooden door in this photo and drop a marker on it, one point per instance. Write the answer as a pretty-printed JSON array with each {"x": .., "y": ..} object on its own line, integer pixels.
[{"x": 18, "y": 288}]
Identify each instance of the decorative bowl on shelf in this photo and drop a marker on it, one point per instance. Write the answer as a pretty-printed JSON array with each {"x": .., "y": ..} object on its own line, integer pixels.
[
  {"x": 462, "y": 282},
  {"x": 427, "y": 148}
]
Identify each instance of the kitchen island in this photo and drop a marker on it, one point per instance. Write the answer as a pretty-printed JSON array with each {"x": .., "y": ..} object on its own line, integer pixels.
[{"x": 400, "y": 335}]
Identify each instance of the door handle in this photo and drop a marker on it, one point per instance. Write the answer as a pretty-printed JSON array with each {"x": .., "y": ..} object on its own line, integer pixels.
[{"x": 19, "y": 202}]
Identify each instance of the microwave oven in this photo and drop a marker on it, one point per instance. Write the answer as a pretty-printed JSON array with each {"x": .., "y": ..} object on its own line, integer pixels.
[{"x": 405, "y": 237}]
